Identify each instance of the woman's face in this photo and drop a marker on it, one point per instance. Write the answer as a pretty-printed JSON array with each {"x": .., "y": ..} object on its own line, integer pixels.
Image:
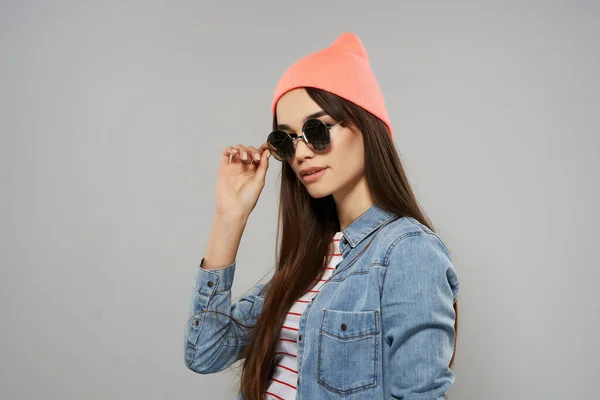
[{"x": 343, "y": 160}]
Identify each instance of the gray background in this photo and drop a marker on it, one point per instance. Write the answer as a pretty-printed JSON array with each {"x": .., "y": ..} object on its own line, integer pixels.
[{"x": 112, "y": 119}]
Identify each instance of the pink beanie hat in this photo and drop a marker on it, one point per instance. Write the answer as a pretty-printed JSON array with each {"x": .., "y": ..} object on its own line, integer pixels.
[{"x": 342, "y": 69}]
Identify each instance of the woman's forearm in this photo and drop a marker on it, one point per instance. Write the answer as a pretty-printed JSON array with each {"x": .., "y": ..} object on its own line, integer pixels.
[{"x": 225, "y": 236}]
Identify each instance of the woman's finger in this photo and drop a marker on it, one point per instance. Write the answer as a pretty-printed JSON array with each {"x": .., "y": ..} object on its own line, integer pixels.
[
  {"x": 226, "y": 154},
  {"x": 254, "y": 153},
  {"x": 263, "y": 147},
  {"x": 244, "y": 154}
]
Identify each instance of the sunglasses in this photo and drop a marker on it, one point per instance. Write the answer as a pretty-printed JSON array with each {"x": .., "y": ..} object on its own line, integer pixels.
[{"x": 315, "y": 134}]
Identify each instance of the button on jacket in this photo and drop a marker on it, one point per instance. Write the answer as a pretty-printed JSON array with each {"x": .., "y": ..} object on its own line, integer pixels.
[{"x": 381, "y": 327}]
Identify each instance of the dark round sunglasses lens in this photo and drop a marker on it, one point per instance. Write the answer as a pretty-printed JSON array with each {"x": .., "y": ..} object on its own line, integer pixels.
[
  {"x": 281, "y": 145},
  {"x": 317, "y": 133}
]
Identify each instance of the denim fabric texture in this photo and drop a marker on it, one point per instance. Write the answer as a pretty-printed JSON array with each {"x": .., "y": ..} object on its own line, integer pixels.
[{"x": 382, "y": 326}]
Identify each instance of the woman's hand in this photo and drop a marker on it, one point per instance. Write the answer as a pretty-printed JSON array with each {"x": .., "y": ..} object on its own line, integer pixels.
[{"x": 241, "y": 179}]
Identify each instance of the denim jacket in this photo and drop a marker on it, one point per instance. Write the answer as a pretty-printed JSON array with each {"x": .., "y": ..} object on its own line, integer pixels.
[{"x": 382, "y": 327}]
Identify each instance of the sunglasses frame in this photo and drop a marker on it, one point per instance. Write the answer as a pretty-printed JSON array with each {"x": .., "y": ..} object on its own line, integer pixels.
[{"x": 302, "y": 136}]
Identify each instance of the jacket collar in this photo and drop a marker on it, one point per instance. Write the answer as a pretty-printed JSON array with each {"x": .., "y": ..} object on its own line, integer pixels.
[{"x": 364, "y": 225}]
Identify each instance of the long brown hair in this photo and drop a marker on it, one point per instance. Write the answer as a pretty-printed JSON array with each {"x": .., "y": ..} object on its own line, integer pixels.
[{"x": 306, "y": 225}]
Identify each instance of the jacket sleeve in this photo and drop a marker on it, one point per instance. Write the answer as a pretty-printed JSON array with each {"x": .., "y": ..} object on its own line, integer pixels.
[
  {"x": 212, "y": 342},
  {"x": 419, "y": 288}
]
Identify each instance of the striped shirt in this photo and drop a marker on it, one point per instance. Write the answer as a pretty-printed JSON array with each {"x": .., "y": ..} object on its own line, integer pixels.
[{"x": 283, "y": 381}]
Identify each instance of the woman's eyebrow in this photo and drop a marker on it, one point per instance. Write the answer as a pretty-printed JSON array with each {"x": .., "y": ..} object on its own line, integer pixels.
[{"x": 318, "y": 114}]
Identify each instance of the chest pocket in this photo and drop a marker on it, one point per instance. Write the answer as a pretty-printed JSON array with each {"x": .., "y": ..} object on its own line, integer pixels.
[{"x": 348, "y": 349}]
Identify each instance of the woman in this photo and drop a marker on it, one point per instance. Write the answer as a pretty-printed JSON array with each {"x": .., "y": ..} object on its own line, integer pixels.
[{"x": 362, "y": 304}]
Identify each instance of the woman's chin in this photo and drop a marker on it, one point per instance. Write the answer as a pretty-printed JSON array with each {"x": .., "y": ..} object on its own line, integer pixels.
[{"x": 317, "y": 193}]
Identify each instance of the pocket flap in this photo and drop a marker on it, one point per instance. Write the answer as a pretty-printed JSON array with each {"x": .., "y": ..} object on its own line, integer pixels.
[{"x": 350, "y": 324}]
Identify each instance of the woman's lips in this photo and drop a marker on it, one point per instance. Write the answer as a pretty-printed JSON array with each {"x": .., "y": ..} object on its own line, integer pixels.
[{"x": 313, "y": 177}]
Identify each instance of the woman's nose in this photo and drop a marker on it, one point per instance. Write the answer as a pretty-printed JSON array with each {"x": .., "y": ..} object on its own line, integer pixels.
[{"x": 302, "y": 149}]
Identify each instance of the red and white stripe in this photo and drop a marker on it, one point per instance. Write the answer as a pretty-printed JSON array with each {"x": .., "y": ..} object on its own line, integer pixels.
[{"x": 282, "y": 385}]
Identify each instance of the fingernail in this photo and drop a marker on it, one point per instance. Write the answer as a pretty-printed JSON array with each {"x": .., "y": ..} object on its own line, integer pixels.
[
  {"x": 244, "y": 155},
  {"x": 256, "y": 156}
]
